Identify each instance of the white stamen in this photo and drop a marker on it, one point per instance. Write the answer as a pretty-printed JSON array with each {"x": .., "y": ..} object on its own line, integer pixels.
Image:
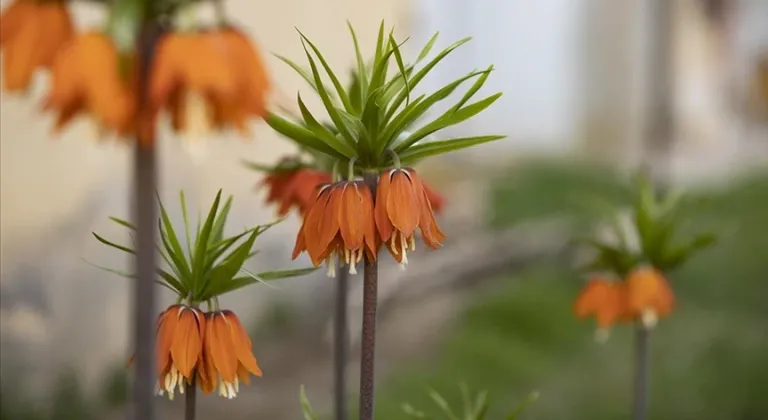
[
  {"x": 331, "y": 267},
  {"x": 649, "y": 318}
]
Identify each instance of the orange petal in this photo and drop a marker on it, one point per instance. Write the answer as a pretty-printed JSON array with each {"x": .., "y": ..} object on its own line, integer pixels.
[
  {"x": 352, "y": 215},
  {"x": 221, "y": 347},
  {"x": 402, "y": 203},
  {"x": 383, "y": 224},
  {"x": 243, "y": 346}
]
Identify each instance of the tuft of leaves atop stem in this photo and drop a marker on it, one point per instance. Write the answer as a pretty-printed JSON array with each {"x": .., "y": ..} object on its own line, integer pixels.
[{"x": 376, "y": 117}]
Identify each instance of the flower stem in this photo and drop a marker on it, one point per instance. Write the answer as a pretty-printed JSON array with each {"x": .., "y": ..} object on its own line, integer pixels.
[
  {"x": 341, "y": 345},
  {"x": 642, "y": 367},
  {"x": 145, "y": 217},
  {"x": 368, "y": 337},
  {"x": 190, "y": 399}
]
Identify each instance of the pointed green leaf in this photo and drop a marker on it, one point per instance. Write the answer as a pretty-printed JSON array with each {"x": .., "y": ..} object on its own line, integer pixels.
[
  {"x": 379, "y": 52},
  {"x": 324, "y": 133},
  {"x": 301, "y": 135},
  {"x": 361, "y": 76},
  {"x": 122, "y": 222},
  {"x": 329, "y": 105},
  {"x": 284, "y": 274},
  {"x": 305, "y": 75},
  {"x": 442, "y": 404},
  {"x": 223, "y": 273},
  {"x": 447, "y": 120},
  {"x": 172, "y": 282},
  {"x": 203, "y": 240},
  {"x": 173, "y": 246},
  {"x": 335, "y": 80},
  {"x": 113, "y": 245},
  {"x": 177, "y": 261},
  {"x": 482, "y": 405},
  {"x": 306, "y": 408},
  {"x": 217, "y": 233},
  {"x": 401, "y": 66},
  {"x": 420, "y": 151},
  {"x": 472, "y": 90},
  {"x": 414, "y": 81},
  {"x": 428, "y": 47},
  {"x": 185, "y": 216},
  {"x": 418, "y": 108}
]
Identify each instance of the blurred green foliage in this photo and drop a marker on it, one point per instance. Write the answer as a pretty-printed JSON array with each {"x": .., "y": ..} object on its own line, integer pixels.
[{"x": 708, "y": 358}]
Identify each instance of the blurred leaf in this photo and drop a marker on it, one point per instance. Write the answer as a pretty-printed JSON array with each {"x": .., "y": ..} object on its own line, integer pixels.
[
  {"x": 428, "y": 47},
  {"x": 284, "y": 274},
  {"x": 306, "y": 408},
  {"x": 113, "y": 245},
  {"x": 515, "y": 414},
  {"x": 304, "y": 74},
  {"x": 442, "y": 404}
]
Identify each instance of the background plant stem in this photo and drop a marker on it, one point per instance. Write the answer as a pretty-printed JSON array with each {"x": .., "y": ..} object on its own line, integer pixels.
[
  {"x": 190, "y": 400},
  {"x": 145, "y": 217},
  {"x": 642, "y": 367},
  {"x": 368, "y": 336},
  {"x": 341, "y": 345}
]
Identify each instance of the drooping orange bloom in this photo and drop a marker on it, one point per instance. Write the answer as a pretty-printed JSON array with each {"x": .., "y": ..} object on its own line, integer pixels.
[
  {"x": 649, "y": 296},
  {"x": 339, "y": 224},
  {"x": 31, "y": 34},
  {"x": 294, "y": 188},
  {"x": 179, "y": 350},
  {"x": 435, "y": 198},
  {"x": 606, "y": 300},
  {"x": 402, "y": 205},
  {"x": 86, "y": 79},
  {"x": 228, "y": 354},
  {"x": 217, "y": 73}
]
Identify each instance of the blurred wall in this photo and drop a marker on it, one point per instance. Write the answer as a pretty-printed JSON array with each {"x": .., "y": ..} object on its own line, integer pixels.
[{"x": 55, "y": 191}]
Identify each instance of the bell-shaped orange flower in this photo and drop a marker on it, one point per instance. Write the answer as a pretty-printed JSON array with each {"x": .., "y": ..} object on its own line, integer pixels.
[
  {"x": 295, "y": 188},
  {"x": 435, "y": 198},
  {"x": 215, "y": 78},
  {"x": 604, "y": 299},
  {"x": 339, "y": 224},
  {"x": 86, "y": 78},
  {"x": 179, "y": 350},
  {"x": 402, "y": 205},
  {"x": 228, "y": 354},
  {"x": 31, "y": 34},
  {"x": 649, "y": 296}
]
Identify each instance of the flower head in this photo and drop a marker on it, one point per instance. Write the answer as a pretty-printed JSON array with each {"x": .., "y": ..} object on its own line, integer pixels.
[
  {"x": 215, "y": 77},
  {"x": 179, "y": 350},
  {"x": 31, "y": 34},
  {"x": 86, "y": 78},
  {"x": 402, "y": 206},
  {"x": 294, "y": 188},
  {"x": 228, "y": 356},
  {"x": 649, "y": 296},
  {"x": 340, "y": 224},
  {"x": 606, "y": 300}
]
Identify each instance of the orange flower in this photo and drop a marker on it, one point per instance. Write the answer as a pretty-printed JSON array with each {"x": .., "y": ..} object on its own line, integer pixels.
[
  {"x": 228, "y": 354},
  {"x": 218, "y": 73},
  {"x": 339, "y": 224},
  {"x": 179, "y": 350},
  {"x": 402, "y": 205},
  {"x": 604, "y": 299},
  {"x": 294, "y": 188},
  {"x": 649, "y": 296},
  {"x": 435, "y": 198},
  {"x": 31, "y": 34},
  {"x": 86, "y": 79}
]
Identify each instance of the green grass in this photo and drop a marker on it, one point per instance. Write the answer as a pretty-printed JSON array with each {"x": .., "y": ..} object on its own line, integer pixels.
[{"x": 708, "y": 359}]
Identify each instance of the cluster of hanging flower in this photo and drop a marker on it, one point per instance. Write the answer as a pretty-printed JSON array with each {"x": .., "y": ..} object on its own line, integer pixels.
[
  {"x": 214, "y": 75},
  {"x": 211, "y": 350},
  {"x": 346, "y": 223},
  {"x": 644, "y": 296},
  {"x": 298, "y": 188}
]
